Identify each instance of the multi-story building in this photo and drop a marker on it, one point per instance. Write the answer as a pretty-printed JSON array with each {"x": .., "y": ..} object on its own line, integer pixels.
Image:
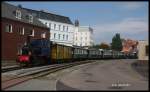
[
  {"x": 61, "y": 27},
  {"x": 83, "y": 36},
  {"x": 17, "y": 24},
  {"x": 129, "y": 46}
]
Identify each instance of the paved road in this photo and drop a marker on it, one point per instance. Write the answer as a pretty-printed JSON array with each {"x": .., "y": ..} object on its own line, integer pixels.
[{"x": 100, "y": 75}]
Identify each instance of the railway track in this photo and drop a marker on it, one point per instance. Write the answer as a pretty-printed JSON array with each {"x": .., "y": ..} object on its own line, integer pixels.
[
  {"x": 10, "y": 68},
  {"x": 28, "y": 74}
]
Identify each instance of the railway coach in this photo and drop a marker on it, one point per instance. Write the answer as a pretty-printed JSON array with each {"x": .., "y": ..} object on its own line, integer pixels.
[
  {"x": 79, "y": 53},
  {"x": 94, "y": 54}
]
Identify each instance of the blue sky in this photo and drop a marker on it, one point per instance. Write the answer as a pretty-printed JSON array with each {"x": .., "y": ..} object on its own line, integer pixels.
[{"x": 130, "y": 19}]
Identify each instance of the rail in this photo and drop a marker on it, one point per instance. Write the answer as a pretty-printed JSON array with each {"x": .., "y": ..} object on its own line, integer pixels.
[{"x": 27, "y": 74}]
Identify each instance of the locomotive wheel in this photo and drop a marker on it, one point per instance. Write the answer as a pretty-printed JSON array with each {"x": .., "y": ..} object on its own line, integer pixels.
[{"x": 38, "y": 61}]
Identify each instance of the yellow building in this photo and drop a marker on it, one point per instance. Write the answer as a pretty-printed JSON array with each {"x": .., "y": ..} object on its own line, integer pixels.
[{"x": 143, "y": 50}]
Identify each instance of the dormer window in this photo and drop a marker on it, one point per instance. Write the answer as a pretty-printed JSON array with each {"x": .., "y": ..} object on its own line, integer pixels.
[
  {"x": 18, "y": 14},
  {"x": 30, "y": 18}
]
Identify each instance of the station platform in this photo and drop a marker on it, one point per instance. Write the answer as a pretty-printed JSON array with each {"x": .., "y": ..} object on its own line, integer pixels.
[
  {"x": 107, "y": 75},
  {"x": 7, "y": 63}
]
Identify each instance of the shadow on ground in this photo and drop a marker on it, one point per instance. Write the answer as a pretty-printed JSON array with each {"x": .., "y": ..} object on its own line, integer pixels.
[
  {"x": 61, "y": 86},
  {"x": 142, "y": 67}
]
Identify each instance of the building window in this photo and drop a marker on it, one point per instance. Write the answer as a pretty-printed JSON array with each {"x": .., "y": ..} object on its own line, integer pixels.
[
  {"x": 43, "y": 35},
  {"x": 67, "y": 37},
  {"x": 54, "y": 26},
  {"x": 59, "y": 27},
  {"x": 8, "y": 28},
  {"x": 50, "y": 25},
  {"x": 19, "y": 51},
  {"x": 30, "y": 18},
  {"x": 82, "y": 44},
  {"x": 54, "y": 35},
  {"x": 21, "y": 30},
  {"x": 18, "y": 14},
  {"x": 67, "y": 28},
  {"x": 147, "y": 50},
  {"x": 46, "y": 23},
  {"x": 85, "y": 38},
  {"x": 58, "y": 36},
  {"x": 32, "y": 32},
  {"x": 63, "y": 37},
  {"x": 63, "y": 28}
]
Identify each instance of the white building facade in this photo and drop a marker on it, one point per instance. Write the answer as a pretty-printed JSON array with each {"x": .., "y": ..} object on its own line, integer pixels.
[
  {"x": 61, "y": 27},
  {"x": 83, "y": 36},
  {"x": 61, "y": 33},
  {"x": 143, "y": 50}
]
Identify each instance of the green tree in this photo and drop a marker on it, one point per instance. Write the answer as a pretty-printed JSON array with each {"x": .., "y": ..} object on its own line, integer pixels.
[{"x": 116, "y": 42}]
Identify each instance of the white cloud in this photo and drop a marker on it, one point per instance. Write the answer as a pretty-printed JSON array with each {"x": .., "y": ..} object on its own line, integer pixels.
[
  {"x": 127, "y": 26},
  {"x": 131, "y": 5}
]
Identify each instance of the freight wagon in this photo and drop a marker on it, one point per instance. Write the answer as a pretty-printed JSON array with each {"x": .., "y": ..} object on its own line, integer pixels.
[{"x": 60, "y": 53}]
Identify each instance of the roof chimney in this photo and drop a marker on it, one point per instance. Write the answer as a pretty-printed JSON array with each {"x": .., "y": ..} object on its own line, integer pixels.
[
  {"x": 20, "y": 6},
  {"x": 76, "y": 23}
]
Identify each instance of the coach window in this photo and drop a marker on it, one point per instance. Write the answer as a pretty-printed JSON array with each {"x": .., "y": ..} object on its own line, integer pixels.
[
  {"x": 147, "y": 50},
  {"x": 8, "y": 28}
]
